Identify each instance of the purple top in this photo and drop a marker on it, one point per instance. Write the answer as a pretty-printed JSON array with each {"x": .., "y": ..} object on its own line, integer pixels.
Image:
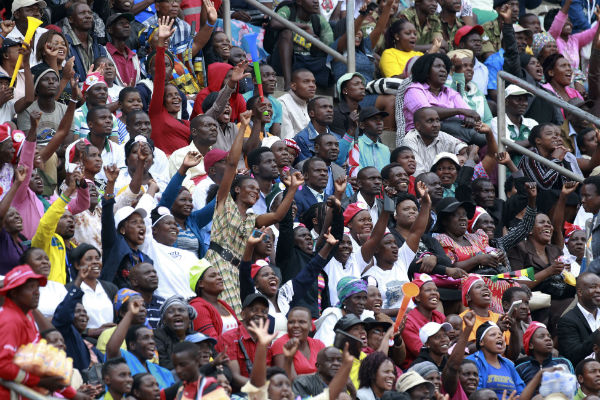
[
  {"x": 418, "y": 96},
  {"x": 11, "y": 253},
  {"x": 570, "y": 48}
]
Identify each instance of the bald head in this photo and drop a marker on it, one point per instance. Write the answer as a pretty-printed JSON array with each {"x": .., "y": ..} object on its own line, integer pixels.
[{"x": 328, "y": 363}]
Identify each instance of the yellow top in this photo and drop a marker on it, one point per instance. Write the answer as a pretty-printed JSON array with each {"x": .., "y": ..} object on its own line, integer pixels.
[
  {"x": 393, "y": 61},
  {"x": 492, "y": 316}
]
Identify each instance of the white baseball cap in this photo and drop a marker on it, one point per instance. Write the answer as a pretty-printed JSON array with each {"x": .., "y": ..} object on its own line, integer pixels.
[
  {"x": 514, "y": 90},
  {"x": 123, "y": 213},
  {"x": 26, "y": 3},
  {"x": 431, "y": 328}
]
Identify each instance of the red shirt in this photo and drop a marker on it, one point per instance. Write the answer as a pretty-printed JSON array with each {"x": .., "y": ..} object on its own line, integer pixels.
[
  {"x": 414, "y": 322},
  {"x": 231, "y": 340},
  {"x": 301, "y": 364},
  {"x": 123, "y": 63},
  {"x": 191, "y": 11}
]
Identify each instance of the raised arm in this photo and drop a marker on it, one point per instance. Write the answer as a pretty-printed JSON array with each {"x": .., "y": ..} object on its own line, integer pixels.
[
  {"x": 237, "y": 74},
  {"x": 418, "y": 227},
  {"x": 232, "y": 160},
  {"x": 205, "y": 31},
  {"x": 113, "y": 347},
  {"x": 372, "y": 243},
  {"x": 519, "y": 232},
  {"x": 21, "y": 174},
  {"x": 489, "y": 161},
  {"x": 560, "y": 19},
  {"x": 29, "y": 97},
  {"x": 273, "y": 217},
  {"x": 164, "y": 32},
  {"x": 108, "y": 232},
  {"x": 63, "y": 128},
  {"x": 260, "y": 328},
  {"x": 558, "y": 215},
  {"x": 450, "y": 372}
]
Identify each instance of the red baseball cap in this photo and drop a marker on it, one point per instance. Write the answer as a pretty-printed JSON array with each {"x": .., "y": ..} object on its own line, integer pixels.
[
  {"x": 18, "y": 276},
  {"x": 465, "y": 30},
  {"x": 212, "y": 157}
]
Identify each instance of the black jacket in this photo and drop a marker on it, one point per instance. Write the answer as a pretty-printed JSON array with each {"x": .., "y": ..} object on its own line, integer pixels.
[{"x": 575, "y": 338}]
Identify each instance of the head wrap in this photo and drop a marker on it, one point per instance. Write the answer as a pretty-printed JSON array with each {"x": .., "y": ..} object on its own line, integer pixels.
[
  {"x": 479, "y": 211},
  {"x": 421, "y": 280},
  {"x": 460, "y": 53},
  {"x": 348, "y": 286},
  {"x": 467, "y": 285},
  {"x": 176, "y": 300},
  {"x": 145, "y": 36},
  {"x": 482, "y": 331},
  {"x": 424, "y": 368},
  {"x": 534, "y": 326},
  {"x": 122, "y": 296},
  {"x": 18, "y": 138},
  {"x": 570, "y": 229},
  {"x": 197, "y": 271},
  {"x": 539, "y": 41},
  {"x": 351, "y": 211},
  {"x": 291, "y": 143}
]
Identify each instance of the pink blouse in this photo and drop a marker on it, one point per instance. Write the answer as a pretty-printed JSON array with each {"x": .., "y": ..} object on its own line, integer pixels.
[{"x": 570, "y": 48}]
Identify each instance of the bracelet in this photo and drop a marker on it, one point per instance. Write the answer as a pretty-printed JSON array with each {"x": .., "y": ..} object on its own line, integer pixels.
[
  {"x": 212, "y": 26},
  {"x": 3, "y": 38},
  {"x": 74, "y": 100}
]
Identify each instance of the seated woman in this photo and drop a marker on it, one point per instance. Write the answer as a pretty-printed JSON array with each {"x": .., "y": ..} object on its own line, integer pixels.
[
  {"x": 53, "y": 293},
  {"x": 98, "y": 294},
  {"x": 52, "y": 48},
  {"x": 558, "y": 74},
  {"x": 296, "y": 346},
  {"x": 175, "y": 324},
  {"x": 214, "y": 316},
  {"x": 377, "y": 375},
  {"x": 428, "y": 89},
  {"x": 546, "y": 141},
  {"x": 129, "y": 100},
  {"x": 495, "y": 372},
  {"x": 400, "y": 40}
]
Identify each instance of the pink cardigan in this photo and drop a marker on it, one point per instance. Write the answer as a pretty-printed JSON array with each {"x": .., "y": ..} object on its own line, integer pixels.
[
  {"x": 570, "y": 48},
  {"x": 27, "y": 203}
]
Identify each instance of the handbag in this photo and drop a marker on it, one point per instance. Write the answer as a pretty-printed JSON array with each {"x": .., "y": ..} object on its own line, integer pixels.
[{"x": 383, "y": 86}]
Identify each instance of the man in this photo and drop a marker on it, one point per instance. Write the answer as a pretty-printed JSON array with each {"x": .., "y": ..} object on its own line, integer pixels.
[
  {"x": 78, "y": 30},
  {"x": 373, "y": 153},
  {"x": 484, "y": 195},
  {"x": 126, "y": 6},
  {"x": 56, "y": 229},
  {"x": 436, "y": 193},
  {"x": 429, "y": 27},
  {"x": 327, "y": 148},
  {"x": 469, "y": 37},
  {"x": 9, "y": 104},
  {"x": 292, "y": 51},
  {"x": 138, "y": 123},
  {"x": 116, "y": 376},
  {"x": 294, "y": 103},
  {"x": 578, "y": 329},
  {"x": 369, "y": 181},
  {"x": 21, "y": 294},
  {"x": 214, "y": 162},
  {"x": 140, "y": 346},
  {"x": 493, "y": 29},
  {"x": 517, "y": 126},
  {"x": 269, "y": 83},
  {"x": 449, "y": 19},
  {"x": 588, "y": 377},
  {"x": 186, "y": 364},
  {"x": 316, "y": 175},
  {"x": 328, "y": 363},
  {"x": 126, "y": 61},
  {"x": 395, "y": 176},
  {"x": 99, "y": 121},
  {"x": 574, "y": 124},
  {"x": 590, "y": 200},
  {"x": 183, "y": 31},
  {"x": 262, "y": 165},
  {"x": 21, "y": 9},
  {"x": 144, "y": 280},
  {"x": 427, "y": 141},
  {"x": 320, "y": 112},
  {"x": 95, "y": 93},
  {"x": 254, "y": 308}
]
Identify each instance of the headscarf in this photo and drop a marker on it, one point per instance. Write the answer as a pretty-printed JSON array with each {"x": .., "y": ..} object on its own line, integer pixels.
[
  {"x": 122, "y": 296},
  {"x": 197, "y": 271},
  {"x": 176, "y": 300},
  {"x": 467, "y": 285},
  {"x": 539, "y": 41},
  {"x": 215, "y": 74},
  {"x": 424, "y": 368},
  {"x": 460, "y": 53},
  {"x": 534, "y": 326},
  {"x": 570, "y": 229},
  {"x": 351, "y": 211},
  {"x": 348, "y": 286},
  {"x": 479, "y": 211}
]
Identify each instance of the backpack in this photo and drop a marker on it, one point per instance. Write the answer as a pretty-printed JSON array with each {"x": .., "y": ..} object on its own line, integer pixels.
[{"x": 271, "y": 35}]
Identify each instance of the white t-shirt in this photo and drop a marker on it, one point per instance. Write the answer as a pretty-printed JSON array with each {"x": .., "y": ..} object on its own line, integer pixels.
[
  {"x": 98, "y": 306},
  {"x": 336, "y": 271},
  {"x": 51, "y": 296},
  {"x": 390, "y": 281},
  {"x": 116, "y": 156},
  {"x": 7, "y": 111}
]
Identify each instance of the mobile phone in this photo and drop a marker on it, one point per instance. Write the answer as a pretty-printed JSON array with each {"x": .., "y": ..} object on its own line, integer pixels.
[
  {"x": 513, "y": 306},
  {"x": 256, "y": 233}
]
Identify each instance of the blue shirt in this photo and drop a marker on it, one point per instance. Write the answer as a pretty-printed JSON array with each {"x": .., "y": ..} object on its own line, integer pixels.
[
  {"x": 372, "y": 154},
  {"x": 163, "y": 376},
  {"x": 530, "y": 366},
  {"x": 494, "y": 63},
  {"x": 277, "y": 109},
  {"x": 306, "y": 141},
  {"x": 497, "y": 379}
]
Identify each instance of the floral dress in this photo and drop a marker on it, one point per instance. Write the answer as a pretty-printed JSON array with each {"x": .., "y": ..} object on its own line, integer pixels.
[{"x": 230, "y": 231}]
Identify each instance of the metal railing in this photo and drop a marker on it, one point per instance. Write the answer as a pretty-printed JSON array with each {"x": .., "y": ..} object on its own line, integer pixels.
[
  {"x": 25, "y": 391},
  {"x": 349, "y": 60},
  {"x": 503, "y": 77}
]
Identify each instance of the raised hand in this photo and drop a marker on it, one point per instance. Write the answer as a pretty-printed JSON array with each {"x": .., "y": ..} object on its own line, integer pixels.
[
  {"x": 483, "y": 128},
  {"x": 531, "y": 189},
  {"x": 340, "y": 184},
  {"x": 7, "y": 26},
  {"x": 252, "y": 241},
  {"x": 111, "y": 172},
  {"x": 34, "y": 118},
  {"x": 144, "y": 152},
  {"x": 506, "y": 13},
  {"x": 436, "y": 46},
  {"x": 25, "y": 50},
  {"x": 334, "y": 202},
  {"x": 245, "y": 117},
  {"x": 261, "y": 331},
  {"x": 68, "y": 72},
  {"x": 423, "y": 193},
  {"x": 238, "y": 72},
  {"x": 503, "y": 158},
  {"x": 165, "y": 28},
  {"x": 192, "y": 158},
  {"x": 469, "y": 319},
  {"x": 329, "y": 238},
  {"x": 211, "y": 12},
  {"x": 297, "y": 179},
  {"x": 21, "y": 174},
  {"x": 50, "y": 50},
  {"x": 291, "y": 347},
  {"x": 135, "y": 305},
  {"x": 569, "y": 187},
  {"x": 513, "y": 395}
]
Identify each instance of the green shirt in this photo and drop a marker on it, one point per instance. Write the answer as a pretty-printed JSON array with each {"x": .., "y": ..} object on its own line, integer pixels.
[
  {"x": 301, "y": 45},
  {"x": 450, "y": 31},
  {"x": 491, "y": 37},
  {"x": 427, "y": 32}
]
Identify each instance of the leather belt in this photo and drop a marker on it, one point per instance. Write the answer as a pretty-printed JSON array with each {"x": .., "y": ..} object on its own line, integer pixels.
[{"x": 225, "y": 254}]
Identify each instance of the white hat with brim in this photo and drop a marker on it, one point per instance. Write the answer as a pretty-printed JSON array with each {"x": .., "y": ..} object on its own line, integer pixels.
[
  {"x": 17, "y": 4},
  {"x": 123, "y": 213},
  {"x": 431, "y": 328},
  {"x": 514, "y": 90}
]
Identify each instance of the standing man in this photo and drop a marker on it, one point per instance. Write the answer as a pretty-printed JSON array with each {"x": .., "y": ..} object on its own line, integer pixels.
[
  {"x": 294, "y": 103},
  {"x": 262, "y": 165},
  {"x": 21, "y": 9},
  {"x": 126, "y": 62}
]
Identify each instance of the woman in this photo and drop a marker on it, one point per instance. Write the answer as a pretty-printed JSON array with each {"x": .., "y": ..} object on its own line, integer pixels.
[
  {"x": 178, "y": 199},
  {"x": 400, "y": 40},
  {"x": 296, "y": 343},
  {"x": 543, "y": 46},
  {"x": 429, "y": 371},
  {"x": 218, "y": 74},
  {"x": 352, "y": 295},
  {"x": 53, "y": 49},
  {"x": 12, "y": 242},
  {"x": 232, "y": 223},
  {"x": 175, "y": 324},
  {"x": 109, "y": 72},
  {"x": 98, "y": 294},
  {"x": 218, "y": 48},
  {"x": 558, "y": 75},
  {"x": 351, "y": 90},
  {"x": 490, "y": 345},
  {"x": 129, "y": 100},
  {"x": 53, "y": 293},
  {"x": 169, "y": 132},
  {"x": 214, "y": 316},
  {"x": 446, "y": 166},
  {"x": 428, "y": 90},
  {"x": 546, "y": 141},
  {"x": 377, "y": 375},
  {"x": 123, "y": 233},
  {"x": 145, "y": 387}
]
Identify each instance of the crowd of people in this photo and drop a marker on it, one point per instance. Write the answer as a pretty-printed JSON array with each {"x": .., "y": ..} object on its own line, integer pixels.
[{"x": 183, "y": 225}]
